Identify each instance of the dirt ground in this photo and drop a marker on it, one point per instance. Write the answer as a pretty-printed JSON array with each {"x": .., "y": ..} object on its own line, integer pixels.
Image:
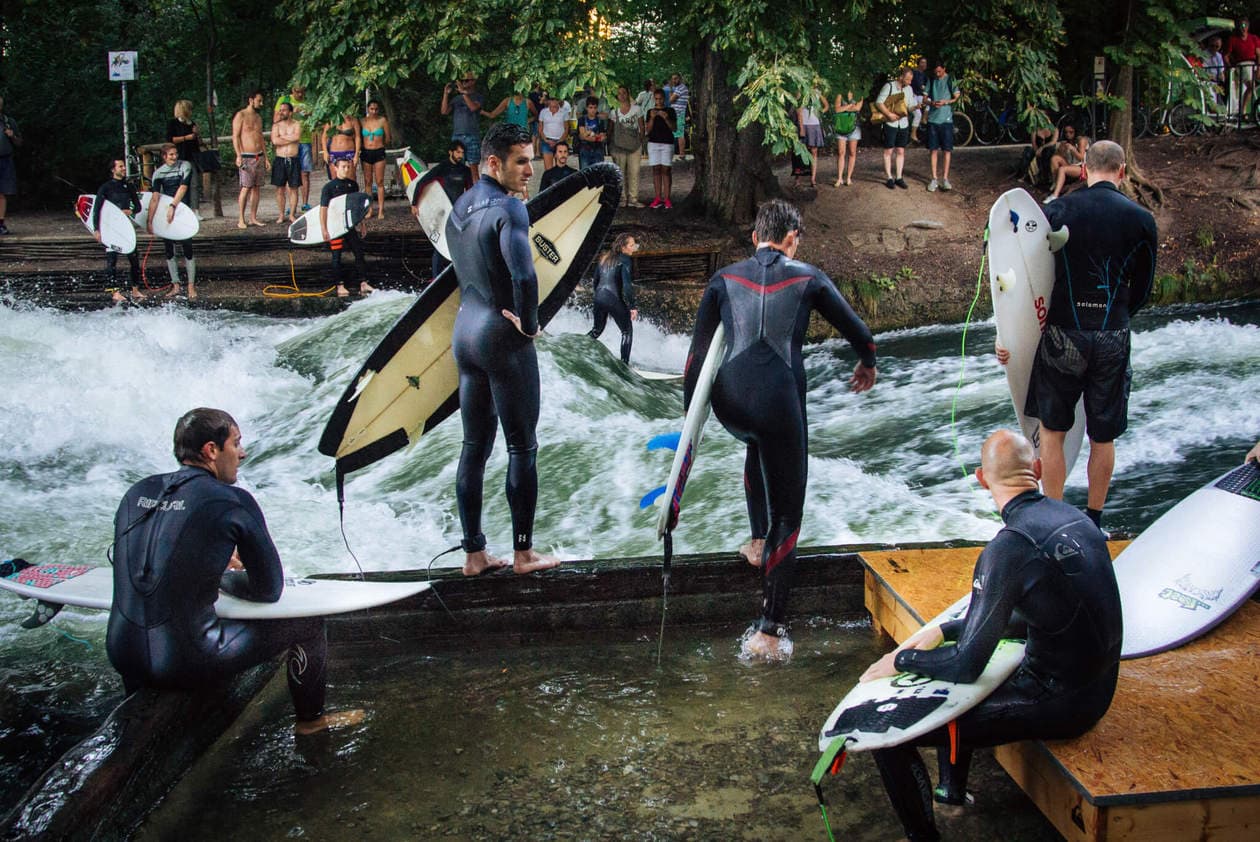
[{"x": 903, "y": 257}]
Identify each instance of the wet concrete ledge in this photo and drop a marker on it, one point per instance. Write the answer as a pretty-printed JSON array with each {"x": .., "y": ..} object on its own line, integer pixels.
[{"x": 105, "y": 786}]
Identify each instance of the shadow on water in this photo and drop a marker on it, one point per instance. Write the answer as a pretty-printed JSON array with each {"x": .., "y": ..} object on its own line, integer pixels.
[{"x": 568, "y": 742}]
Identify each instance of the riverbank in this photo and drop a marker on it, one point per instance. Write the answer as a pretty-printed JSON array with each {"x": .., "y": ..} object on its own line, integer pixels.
[{"x": 904, "y": 258}]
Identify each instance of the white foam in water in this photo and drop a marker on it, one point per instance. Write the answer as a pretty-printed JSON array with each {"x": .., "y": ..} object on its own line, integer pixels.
[{"x": 91, "y": 400}]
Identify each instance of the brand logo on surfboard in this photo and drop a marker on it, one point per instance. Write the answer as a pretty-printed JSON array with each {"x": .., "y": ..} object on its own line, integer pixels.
[
  {"x": 1184, "y": 600},
  {"x": 1030, "y": 226},
  {"x": 1186, "y": 584},
  {"x": 547, "y": 249}
]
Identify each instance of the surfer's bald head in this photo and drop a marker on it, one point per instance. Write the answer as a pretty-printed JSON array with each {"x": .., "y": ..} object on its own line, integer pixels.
[{"x": 1007, "y": 459}]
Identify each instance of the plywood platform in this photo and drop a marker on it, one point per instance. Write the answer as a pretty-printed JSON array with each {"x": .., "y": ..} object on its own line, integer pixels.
[{"x": 1174, "y": 758}]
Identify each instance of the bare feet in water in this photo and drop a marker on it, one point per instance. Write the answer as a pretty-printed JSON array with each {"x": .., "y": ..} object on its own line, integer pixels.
[
  {"x": 766, "y": 647},
  {"x": 192, "y": 291},
  {"x": 753, "y": 550},
  {"x": 528, "y": 561},
  {"x": 366, "y": 289},
  {"x": 329, "y": 722},
  {"x": 174, "y": 291},
  {"x": 477, "y": 563}
]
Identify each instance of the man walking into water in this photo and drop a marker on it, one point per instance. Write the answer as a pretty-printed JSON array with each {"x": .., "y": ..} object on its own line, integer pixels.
[
  {"x": 251, "y": 158},
  {"x": 764, "y": 304},
  {"x": 1103, "y": 275},
  {"x": 178, "y": 539},
  {"x": 493, "y": 343},
  {"x": 1046, "y": 577}
]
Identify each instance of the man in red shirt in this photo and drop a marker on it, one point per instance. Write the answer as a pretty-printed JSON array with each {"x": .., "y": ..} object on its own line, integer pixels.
[{"x": 1240, "y": 54}]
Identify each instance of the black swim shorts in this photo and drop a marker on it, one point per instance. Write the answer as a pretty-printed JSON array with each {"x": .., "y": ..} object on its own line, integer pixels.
[
  {"x": 286, "y": 171},
  {"x": 1072, "y": 363},
  {"x": 372, "y": 156}
]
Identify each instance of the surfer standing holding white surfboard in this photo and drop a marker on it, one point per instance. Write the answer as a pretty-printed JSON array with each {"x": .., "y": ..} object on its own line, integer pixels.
[
  {"x": 1103, "y": 275},
  {"x": 493, "y": 343},
  {"x": 122, "y": 194},
  {"x": 1046, "y": 576},
  {"x": 764, "y": 304}
]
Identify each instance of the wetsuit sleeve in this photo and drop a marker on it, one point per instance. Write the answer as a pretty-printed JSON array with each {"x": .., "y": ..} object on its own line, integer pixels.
[
  {"x": 263, "y": 577},
  {"x": 627, "y": 286},
  {"x": 97, "y": 206},
  {"x": 708, "y": 317},
  {"x": 993, "y": 596},
  {"x": 134, "y": 198},
  {"x": 1141, "y": 269},
  {"x": 831, "y": 304},
  {"x": 514, "y": 244}
]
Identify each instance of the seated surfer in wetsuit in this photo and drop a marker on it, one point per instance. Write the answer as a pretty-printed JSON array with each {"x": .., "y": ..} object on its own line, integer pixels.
[
  {"x": 1045, "y": 577},
  {"x": 614, "y": 292},
  {"x": 493, "y": 343},
  {"x": 178, "y": 539},
  {"x": 764, "y": 303}
]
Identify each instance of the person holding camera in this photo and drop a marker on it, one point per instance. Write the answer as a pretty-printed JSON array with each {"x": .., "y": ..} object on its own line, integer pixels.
[{"x": 465, "y": 107}]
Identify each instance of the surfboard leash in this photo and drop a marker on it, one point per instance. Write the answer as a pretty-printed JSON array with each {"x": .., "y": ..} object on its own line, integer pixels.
[
  {"x": 830, "y": 763},
  {"x": 292, "y": 290},
  {"x": 666, "y": 560},
  {"x": 962, "y": 367}
]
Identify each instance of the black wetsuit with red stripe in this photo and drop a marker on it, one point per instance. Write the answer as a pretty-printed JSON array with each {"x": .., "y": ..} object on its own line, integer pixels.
[{"x": 764, "y": 304}]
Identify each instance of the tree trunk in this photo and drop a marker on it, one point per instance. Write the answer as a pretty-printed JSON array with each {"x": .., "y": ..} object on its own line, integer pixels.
[
  {"x": 1137, "y": 186},
  {"x": 212, "y": 47},
  {"x": 732, "y": 170}
]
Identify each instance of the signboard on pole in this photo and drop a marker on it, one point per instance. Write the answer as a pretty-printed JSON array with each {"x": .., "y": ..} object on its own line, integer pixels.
[{"x": 122, "y": 66}]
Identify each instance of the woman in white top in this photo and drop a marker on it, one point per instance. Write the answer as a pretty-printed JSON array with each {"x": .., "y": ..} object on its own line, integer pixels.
[
  {"x": 896, "y": 124},
  {"x": 552, "y": 128},
  {"x": 809, "y": 128}
]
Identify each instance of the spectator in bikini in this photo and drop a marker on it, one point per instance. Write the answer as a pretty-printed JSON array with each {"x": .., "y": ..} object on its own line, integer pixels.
[
  {"x": 848, "y": 135},
  {"x": 376, "y": 135},
  {"x": 251, "y": 157},
  {"x": 286, "y": 167},
  {"x": 343, "y": 142}
]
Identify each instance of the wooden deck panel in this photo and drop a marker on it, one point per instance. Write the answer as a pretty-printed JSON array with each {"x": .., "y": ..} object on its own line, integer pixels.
[{"x": 1192, "y": 712}]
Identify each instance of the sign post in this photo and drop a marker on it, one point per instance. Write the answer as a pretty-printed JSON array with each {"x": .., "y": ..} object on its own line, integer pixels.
[{"x": 122, "y": 68}]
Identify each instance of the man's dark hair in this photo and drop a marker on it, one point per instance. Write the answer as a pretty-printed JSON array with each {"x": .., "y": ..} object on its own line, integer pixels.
[
  {"x": 457, "y": 144},
  {"x": 501, "y": 137},
  {"x": 590, "y": 100},
  {"x": 198, "y": 426},
  {"x": 775, "y": 219},
  {"x": 255, "y": 92},
  {"x": 555, "y": 146}
]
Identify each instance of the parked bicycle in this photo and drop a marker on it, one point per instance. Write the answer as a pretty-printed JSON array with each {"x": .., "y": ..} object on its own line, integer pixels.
[{"x": 995, "y": 126}]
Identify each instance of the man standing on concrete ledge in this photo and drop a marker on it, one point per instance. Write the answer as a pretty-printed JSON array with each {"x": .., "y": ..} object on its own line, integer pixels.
[
  {"x": 764, "y": 304},
  {"x": 178, "y": 539},
  {"x": 1046, "y": 577},
  {"x": 1102, "y": 276},
  {"x": 493, "y": 343}
]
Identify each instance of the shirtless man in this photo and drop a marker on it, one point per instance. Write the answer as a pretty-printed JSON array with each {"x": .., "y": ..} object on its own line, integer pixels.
[
  {"x": 286, "y": 169},
  {"x": 251, "y": 160}
]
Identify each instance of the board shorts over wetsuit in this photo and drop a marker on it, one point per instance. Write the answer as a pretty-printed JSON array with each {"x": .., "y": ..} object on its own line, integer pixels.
[
  {"x": 614, "y": 296},
  {"x": 1103, "y": 275},
  {"x": 173, "y": 537},
  {"x": 1046, "y": 577},
  {"x": 764, "y": 304},
  {"x": 488, "y": 235}
]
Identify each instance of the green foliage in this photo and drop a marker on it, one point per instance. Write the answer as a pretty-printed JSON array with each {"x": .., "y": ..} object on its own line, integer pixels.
[
  {"x": 1205, "y": 237},
  {"x": 1196, "y": 281},
  {"x": 869, "y": 290}
]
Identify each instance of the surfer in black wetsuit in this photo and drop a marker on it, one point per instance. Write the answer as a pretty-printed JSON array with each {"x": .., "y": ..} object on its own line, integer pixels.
[
  {"x": 455, "y": 177},
  {"x": 614, "y": 292},
  {"x": 178, "y": 539},
  {"x": 764, "y": 304},
  {"x": 1102, "y": 276},
  {"x": 343, "y": 184},
  {"x": 119, "y": 191},
  {"x": 493, "y": 341},
  {"x": 1045, "y": 577}
]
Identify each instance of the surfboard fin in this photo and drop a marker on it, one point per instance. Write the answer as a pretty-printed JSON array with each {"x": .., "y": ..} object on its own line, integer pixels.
[
  {"x": 665, "y": 441},
  {"x": 650, "y": 497},
  {"x": 1058, "y": 239},
  {"x": 1006, "y": 280},
  {"x": 44, "y": 611}
]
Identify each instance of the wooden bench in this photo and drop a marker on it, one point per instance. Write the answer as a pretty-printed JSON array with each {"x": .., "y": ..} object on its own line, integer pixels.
[{"x": 1172, "y": 758}]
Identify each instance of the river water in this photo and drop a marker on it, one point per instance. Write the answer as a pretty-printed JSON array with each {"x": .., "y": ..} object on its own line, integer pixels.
[{"x": 91, "y": 399}]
